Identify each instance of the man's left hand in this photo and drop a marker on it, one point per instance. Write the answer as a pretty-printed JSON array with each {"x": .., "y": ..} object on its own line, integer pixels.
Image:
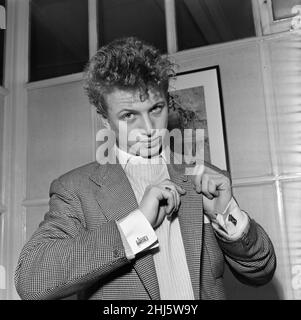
[{"x": 216, "y": 190}]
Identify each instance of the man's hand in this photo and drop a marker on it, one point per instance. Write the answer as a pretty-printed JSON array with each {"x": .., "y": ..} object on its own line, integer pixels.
[
  {"x": 160, "y": 200},
  {"x": 216, "y": 190}
]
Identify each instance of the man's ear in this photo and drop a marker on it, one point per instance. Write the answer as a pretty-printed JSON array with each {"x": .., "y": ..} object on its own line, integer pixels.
[{"x": 105, "y": 122}]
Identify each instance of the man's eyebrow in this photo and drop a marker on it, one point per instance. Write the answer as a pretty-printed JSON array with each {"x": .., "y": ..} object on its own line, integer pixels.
[
  {"x": 159, "y": 102},
  {"x": 128, "y": 110}
]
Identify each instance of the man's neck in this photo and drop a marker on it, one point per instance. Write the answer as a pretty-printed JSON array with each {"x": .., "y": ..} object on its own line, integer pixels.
[{"x": 124, "y": 157}]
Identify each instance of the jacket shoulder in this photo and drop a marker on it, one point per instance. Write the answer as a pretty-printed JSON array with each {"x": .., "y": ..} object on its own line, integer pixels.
[{"x": 78, "y": 176}]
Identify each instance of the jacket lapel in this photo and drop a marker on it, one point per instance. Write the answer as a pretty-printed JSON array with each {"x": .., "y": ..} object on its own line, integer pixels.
[
  {"x": 116, "y": 198},
  {"x": 191, "y": 222}
]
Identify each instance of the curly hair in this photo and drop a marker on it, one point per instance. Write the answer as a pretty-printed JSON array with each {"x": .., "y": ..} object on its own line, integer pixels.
[{"x": 128, "y": 64}]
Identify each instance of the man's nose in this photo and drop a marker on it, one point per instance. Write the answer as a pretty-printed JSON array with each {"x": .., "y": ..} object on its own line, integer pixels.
[{"x": 147, "y": 126}]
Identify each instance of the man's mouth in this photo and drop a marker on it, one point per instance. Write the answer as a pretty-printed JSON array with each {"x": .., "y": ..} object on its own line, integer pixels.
[
  {"x": 151, "y": 143},
  {"x": 149, "y": 147},
  {"x": 151, "y": 151}
]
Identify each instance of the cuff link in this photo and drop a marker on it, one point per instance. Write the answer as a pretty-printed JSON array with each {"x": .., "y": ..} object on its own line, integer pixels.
[
  {"x": 141, "y": 240},
  {"x": 232, "y": 219},
  {"x": 116, "y": 253}
]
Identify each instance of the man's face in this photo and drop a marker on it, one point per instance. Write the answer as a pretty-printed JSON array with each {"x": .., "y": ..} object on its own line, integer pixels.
[{"x": 135, "y": 120}]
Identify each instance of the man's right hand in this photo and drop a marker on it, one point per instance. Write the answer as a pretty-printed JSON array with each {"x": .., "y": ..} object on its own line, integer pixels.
[{"x": 160, "y": 200}]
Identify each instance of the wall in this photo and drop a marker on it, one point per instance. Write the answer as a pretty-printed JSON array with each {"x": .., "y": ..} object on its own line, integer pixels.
[
  {"x": 59, "y": 139},
  {"x": 285, "y": 56}
]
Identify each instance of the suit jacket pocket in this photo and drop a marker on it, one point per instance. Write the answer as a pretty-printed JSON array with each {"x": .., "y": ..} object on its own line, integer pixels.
[{"x": 214, "y": 253}]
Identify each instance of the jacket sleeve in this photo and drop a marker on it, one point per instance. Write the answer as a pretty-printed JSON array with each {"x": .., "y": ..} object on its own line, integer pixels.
[
  {"x": 63, "y": 257},
  {"x": 251, "y": 258}
]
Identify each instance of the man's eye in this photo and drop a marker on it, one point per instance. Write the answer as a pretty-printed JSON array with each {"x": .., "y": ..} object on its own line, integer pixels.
[
  {"x": 157, "y": 109},
  {"x": 128, "y": 116}
]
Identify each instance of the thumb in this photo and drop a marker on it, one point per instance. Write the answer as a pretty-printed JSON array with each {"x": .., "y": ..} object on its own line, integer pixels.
[{"x": 180, "y": 189}]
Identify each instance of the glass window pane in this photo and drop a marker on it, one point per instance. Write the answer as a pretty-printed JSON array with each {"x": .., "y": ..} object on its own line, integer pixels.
[
  {"x": 205, "y": 22},
  {"x": 144, "y": 19},
  {"x": 2, "y": 40},
  {"x": 282, "y": 8},
  {"x": 59, "y": 37}
]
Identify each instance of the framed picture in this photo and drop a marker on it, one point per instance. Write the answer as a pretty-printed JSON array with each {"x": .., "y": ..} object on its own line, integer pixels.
[{"x": 197, "y": 97}]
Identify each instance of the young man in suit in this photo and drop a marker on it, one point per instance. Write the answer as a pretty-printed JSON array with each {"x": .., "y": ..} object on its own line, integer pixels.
[{"x": 132, "y": 229}]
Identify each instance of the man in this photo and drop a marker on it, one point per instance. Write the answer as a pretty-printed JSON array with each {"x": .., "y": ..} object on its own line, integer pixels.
[{"x": 135, "y": 229}]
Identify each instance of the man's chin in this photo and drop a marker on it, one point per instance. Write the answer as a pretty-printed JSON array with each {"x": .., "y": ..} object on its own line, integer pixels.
[{"x": 150, "y": 152}]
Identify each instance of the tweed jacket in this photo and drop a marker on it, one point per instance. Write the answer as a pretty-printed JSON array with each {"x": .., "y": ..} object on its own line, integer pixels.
[{"x": 77, "y": 248}]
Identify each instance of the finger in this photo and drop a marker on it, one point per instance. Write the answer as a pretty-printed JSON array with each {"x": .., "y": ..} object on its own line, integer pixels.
[
  {"x": 161, "y": 215},
  {"x": 198, "y": 183},
  {"x": 177, "y": 199},
  {"x": 212, "y": 188},
  {"x": 173, "y": 191},
  {"x": 173, "y": 188},
  {"x": 221, "y": 182},
  {"x": 170, "y": 201},
  {"x": 178, "y": 188},
  {"x": 204, "y": 190}
]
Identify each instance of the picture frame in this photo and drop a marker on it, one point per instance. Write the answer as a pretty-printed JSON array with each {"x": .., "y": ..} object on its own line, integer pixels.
[{"x": 198, "y": 93}]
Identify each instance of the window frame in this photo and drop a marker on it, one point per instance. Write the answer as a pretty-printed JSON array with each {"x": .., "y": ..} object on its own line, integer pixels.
[
  {"x": 268, "y": 24},
  {"x": 262, "y": 16}
]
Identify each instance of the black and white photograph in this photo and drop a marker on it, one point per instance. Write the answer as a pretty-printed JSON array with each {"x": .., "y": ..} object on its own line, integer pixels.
[{"x": 150, "y": 150}]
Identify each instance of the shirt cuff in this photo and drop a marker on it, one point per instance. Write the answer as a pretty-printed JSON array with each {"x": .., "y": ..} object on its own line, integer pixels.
[
  {"x": 232, "y": 223},
  {"x": 137, "y": 234}
]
